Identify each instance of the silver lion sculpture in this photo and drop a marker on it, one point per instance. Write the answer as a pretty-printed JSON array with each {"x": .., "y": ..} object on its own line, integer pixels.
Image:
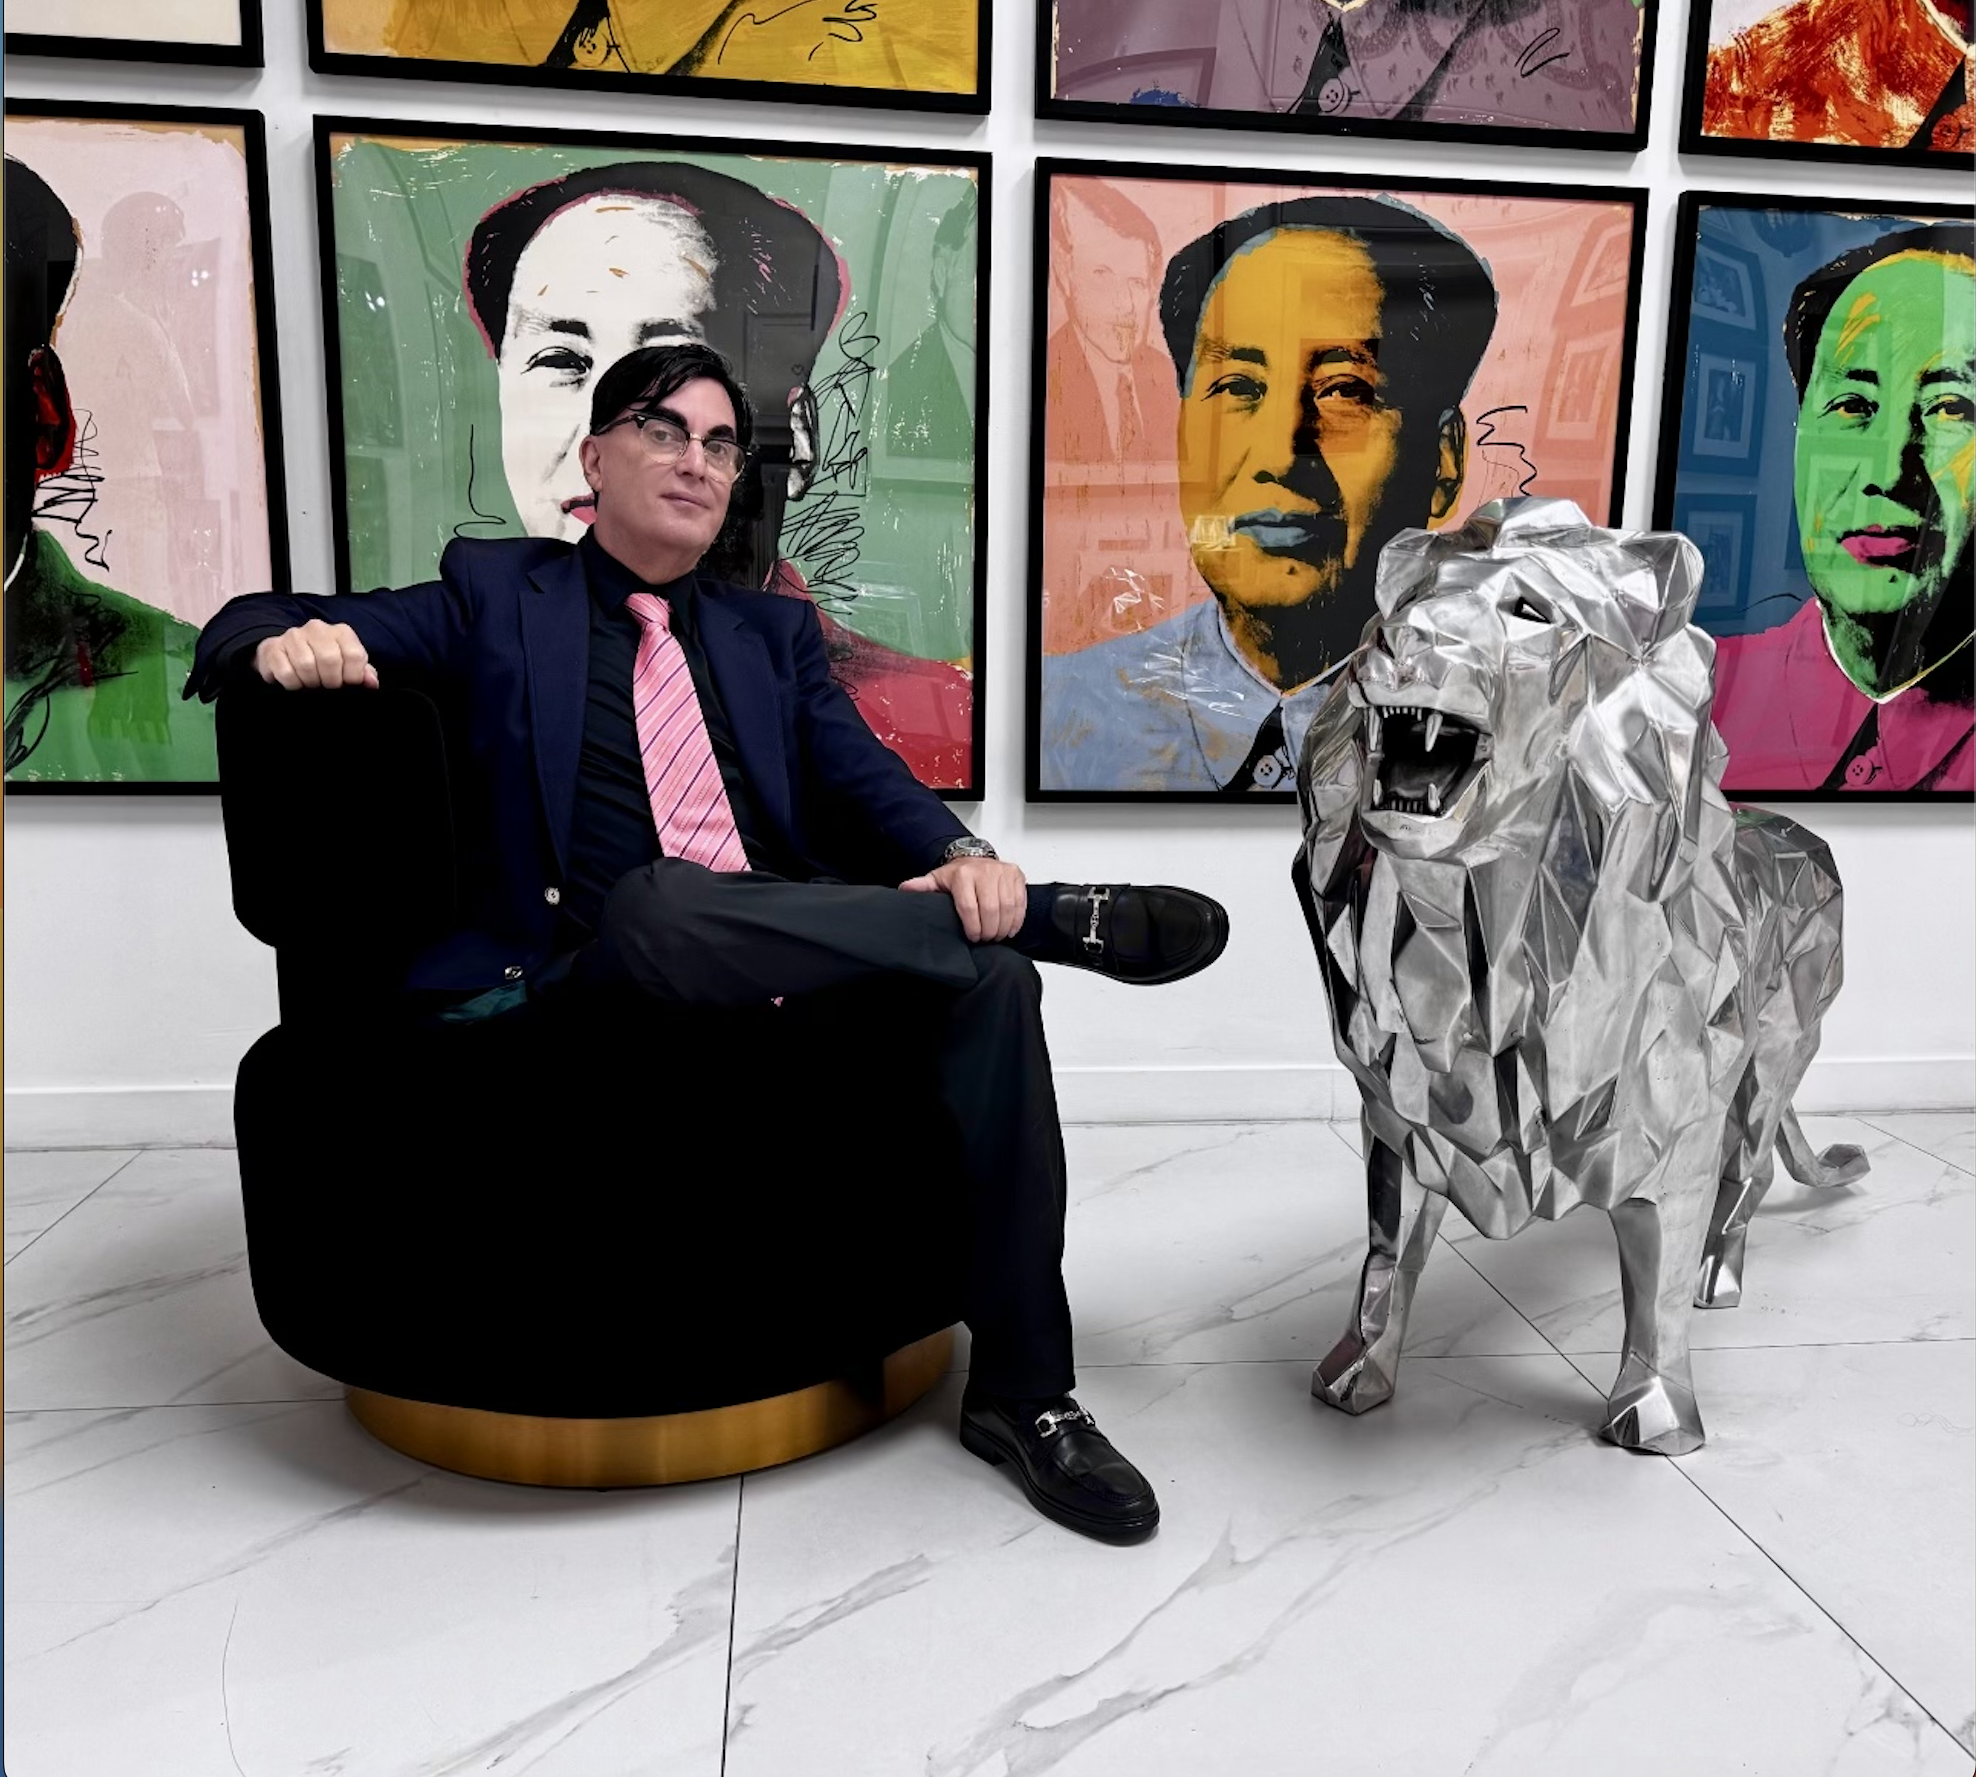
[{"x": 1560, "y": 966}]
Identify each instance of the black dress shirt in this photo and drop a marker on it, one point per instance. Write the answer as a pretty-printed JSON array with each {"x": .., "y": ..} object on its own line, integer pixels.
[{"x": 611, "y": 831}]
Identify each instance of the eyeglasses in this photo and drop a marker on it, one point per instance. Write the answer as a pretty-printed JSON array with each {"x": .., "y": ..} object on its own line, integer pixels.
[{"x": 666, "y": 440}]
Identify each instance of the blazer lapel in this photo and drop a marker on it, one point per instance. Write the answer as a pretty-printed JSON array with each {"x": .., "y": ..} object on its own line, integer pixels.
[
  {"x": 752, "y": 700},
  {"x": 555, "y": 629}
]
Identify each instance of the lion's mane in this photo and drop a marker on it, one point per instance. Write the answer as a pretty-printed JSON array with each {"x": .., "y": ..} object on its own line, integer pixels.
[{"x": 1540, "y": 993}]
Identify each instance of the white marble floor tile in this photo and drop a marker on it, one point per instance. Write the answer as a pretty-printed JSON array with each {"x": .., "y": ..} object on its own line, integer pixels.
[
  {"x": 1219, "y": 1242},
  {"x": 1464, "y": 1581},
  {"x": 1854, "y": 1467},
  {"x": 193, "y": 1591},
  {"x": 1893, "y": 1257},
  {"x": 1948, "y": 1135},
  {"x": 140, "y": 1297},
  {"x": 43, "y": 1185}
]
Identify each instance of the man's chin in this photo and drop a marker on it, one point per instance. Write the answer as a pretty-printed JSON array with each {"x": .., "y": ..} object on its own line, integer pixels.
[{"x": 1269, "y": 583}]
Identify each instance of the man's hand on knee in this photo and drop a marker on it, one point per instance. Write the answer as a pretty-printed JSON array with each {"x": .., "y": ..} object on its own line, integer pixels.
[
  {"x": 315, "y": 656},
  {"x": 991, "y": 896}
]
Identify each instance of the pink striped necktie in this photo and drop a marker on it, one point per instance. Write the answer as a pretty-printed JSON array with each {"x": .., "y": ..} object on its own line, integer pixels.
[{"x": 689, "y": 802}]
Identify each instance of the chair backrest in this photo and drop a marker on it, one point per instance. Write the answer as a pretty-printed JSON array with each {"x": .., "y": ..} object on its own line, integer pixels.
[{"x": 339, "y": 833}]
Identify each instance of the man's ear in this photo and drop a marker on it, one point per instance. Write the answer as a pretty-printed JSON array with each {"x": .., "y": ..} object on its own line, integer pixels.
[
  {"x": 54, "y": 415},
  {"x": 802, "y": 440},
  {"x": 1450, "y": 465},
  {"x": 587, "y": 454}
]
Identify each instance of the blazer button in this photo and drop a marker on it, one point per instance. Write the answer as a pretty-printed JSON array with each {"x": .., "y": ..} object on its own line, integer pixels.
[
  {"x": 554, "y": 896},
  {"x": 512, "y": 972}
]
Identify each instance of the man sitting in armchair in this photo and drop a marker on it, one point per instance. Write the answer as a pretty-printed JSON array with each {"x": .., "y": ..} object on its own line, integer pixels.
[{"x": 679, "y": 802}]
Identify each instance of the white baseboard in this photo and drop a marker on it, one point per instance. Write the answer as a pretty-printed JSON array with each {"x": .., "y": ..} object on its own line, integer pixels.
[
  {"x": 202, "y": 1116},
  {"x": 1292, "y": 1091},
  {"x": 119, "y": 1116}
]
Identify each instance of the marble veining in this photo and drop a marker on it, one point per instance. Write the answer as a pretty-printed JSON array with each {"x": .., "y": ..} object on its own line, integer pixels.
[
  {"x": 42, "y": 1186},
  {"x": 211, "y": 1569}
]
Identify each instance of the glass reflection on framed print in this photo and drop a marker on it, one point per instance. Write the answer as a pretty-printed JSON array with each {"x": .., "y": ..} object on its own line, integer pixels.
[
  {"x": 1211, "y": 484},
  {"x": 1817, "y": 447},
  {"x": 226, "y": 33},
  {"x": 1541, "y": 73},
  {"x": 143, "y": 462},
  {"x": 1888, "y": 82},
  {"x": 477, "y": 284},
  {"x": 925, "y": 55}
]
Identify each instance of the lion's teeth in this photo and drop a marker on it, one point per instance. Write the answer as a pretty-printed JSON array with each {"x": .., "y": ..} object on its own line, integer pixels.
[
  {"x": 1433, "y": 795},
  {"x": 1378, "y": 792},
  {"x": 1433, "y": 729}
]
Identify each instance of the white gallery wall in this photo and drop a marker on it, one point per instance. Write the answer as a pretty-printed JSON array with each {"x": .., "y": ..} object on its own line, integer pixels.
[{"x": 130, "y": 993}]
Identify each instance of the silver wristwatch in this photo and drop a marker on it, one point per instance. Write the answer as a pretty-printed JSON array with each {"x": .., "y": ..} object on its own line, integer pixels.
[{"x": 967, "y": 846}]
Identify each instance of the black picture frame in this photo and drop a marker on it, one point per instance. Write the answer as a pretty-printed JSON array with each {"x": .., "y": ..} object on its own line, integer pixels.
[
  {"x": 977, "y": 161},
  {"x": 1694, "y": 78},
  {"x": 247, "y": 53},
  {"x": 1049, "y": 105},
  {"x": 324, "y": 60},
  {"x": 1048, "y": 169},
  {"x": 253, "y": 127},
  {"x": 1672, "y": 501}
]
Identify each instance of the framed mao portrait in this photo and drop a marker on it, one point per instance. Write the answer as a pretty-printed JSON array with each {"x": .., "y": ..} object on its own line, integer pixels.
[
  {"x": 1888, "y": 82},
  {"x": 1817, "y": 446},
  {"x": 222, "y": 32},
  {"x": 476, "y": 284},
  {"x": 923, "y": 57},
  {"x": 1245, "y": 386},
  {"x": 143, "y": 449},
  {"x": 1541, "y": 73}
]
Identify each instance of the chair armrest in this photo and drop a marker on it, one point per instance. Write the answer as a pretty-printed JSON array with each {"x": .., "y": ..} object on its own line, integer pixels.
[{"x": 339, "y": 825}]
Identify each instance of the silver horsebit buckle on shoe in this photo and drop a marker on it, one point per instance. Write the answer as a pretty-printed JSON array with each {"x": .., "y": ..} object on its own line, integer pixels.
[
  {"x": 1092, "y": 942},
  {"x": 1052, "y": 1420}
]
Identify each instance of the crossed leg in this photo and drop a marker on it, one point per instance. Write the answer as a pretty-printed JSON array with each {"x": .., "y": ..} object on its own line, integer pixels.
[{"x": 842, "y": 955}]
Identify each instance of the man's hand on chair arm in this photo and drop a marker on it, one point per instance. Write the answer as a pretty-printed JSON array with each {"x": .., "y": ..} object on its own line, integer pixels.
[{"x": 315, "y": 656}]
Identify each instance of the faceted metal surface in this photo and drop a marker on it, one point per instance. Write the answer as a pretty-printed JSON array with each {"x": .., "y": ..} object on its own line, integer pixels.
[{"x": 1561, "y": 967}]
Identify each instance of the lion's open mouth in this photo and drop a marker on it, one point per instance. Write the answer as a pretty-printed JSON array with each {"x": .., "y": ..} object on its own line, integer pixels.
[{"x": 1420, "y": 760}]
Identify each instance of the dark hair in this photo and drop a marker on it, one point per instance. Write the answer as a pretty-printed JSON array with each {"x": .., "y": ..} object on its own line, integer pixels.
[
  {"x": 779, "y": 285},
  {"x": 1118, "y": 213},
  {"x": 1813, "y": 301},
  {"x": 42, "y": 251},
  {"x": 1440, "y": 293},
  {"x": 641, "y": 380}
]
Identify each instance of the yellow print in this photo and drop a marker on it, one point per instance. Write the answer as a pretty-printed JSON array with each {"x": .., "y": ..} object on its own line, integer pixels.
[{"x": 893, "y": 45}]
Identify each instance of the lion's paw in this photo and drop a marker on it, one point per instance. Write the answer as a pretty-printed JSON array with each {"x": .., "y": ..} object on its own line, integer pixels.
[
  {"x": 1351, "y": 1378},
  {"x": 1656, "y": 1415}
]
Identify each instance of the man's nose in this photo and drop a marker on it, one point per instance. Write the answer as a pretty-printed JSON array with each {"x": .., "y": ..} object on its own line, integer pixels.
[
  {"x": 1293, "y": 456},
  {"x": 1897, "y": 462}
]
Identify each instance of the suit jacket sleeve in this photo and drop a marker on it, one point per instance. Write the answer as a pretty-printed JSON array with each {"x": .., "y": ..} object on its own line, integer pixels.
[
  {"x": 416, "y": 630},
  {"x": 862, "y": 782}
]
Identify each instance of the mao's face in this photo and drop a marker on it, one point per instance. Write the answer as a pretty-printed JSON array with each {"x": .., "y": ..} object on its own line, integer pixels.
[
  {"x": 1107, "y": 284},
  {"x": 1290, "y": 436},
  {"x": 1886, "y": 448},
  {"x": 599, "y": 279}
]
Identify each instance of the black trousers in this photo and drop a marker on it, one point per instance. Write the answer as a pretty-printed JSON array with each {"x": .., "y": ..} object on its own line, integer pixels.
[{"x": 692, "y": 937}]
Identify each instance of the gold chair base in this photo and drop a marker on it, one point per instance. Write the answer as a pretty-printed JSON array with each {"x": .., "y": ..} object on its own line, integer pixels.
[{"x": 659, "y": 1449}]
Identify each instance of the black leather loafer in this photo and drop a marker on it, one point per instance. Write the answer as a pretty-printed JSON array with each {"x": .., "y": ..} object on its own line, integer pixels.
[
  {"x": 1143, "y": 935},
  {"x": 1066, "y": 1465}
]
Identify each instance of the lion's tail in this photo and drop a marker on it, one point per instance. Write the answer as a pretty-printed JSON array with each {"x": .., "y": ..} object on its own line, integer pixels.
[{"x": 1843, "y": 1163}]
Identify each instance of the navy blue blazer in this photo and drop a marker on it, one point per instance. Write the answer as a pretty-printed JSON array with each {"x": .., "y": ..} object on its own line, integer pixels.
[{"x": 503, "y": 637}]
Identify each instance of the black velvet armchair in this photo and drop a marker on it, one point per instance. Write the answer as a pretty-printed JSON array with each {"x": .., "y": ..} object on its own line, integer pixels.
[{"x": 492, "y": 1233}]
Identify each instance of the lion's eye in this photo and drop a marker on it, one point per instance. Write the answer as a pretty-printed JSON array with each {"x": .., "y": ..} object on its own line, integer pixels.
[{"x": 1529, "y": 612}]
